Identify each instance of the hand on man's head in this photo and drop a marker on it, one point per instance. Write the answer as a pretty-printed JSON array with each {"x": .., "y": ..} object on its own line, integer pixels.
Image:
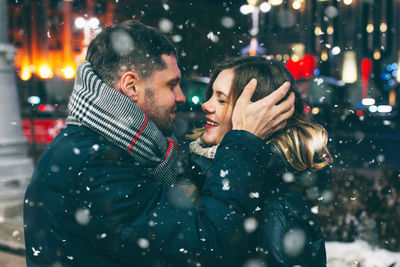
[{"x": 263, "y": 117}]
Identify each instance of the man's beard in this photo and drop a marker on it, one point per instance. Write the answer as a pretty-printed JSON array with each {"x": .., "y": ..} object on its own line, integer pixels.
[{"x": 158, "y": 113}]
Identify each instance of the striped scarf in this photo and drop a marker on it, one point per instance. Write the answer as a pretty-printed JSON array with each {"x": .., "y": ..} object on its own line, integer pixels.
[{"x": 113, "y": 115}]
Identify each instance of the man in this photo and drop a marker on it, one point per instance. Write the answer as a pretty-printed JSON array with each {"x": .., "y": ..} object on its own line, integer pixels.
[{"x": 102, "y": 194}]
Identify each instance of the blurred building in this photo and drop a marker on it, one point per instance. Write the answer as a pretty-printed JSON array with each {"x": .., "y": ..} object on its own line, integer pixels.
[
  {"x": 355, "y": 43},
  {"x": 51, "y": 35}
]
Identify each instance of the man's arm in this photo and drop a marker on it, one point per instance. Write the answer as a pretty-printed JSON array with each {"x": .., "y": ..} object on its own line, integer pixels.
[{"x": 142, "y": 221}]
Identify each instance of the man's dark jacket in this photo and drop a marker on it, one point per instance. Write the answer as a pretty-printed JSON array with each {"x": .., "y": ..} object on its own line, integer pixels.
[
  {"x": 89, "y": 204},
  {"x": 286, "y": 232}
]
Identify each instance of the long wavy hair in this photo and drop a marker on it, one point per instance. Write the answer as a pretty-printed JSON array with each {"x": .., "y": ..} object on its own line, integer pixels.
[{"x": 301, "y": 142}]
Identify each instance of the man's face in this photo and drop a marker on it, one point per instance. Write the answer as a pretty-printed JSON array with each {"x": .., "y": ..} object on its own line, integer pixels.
[{"x": 162, "y": 94}]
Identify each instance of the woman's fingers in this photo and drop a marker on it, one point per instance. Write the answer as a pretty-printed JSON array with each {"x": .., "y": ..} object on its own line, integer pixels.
[
  {"x": 277, "y": 95},
  {"x": 286, "y": 105},
  {"x": 282, "y": 117},
  {"x": 248, "y": 92}
]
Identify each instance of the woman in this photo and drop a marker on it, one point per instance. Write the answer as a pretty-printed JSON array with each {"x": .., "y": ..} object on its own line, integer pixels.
[{"x": 284, "y": 231}]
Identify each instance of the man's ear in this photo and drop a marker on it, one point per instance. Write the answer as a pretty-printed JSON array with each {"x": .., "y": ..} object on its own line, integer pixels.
[{"x": 129, "y": 84}]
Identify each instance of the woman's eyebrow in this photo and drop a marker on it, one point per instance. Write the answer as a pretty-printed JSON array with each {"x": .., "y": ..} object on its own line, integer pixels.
[{"x": 218, "y": 92}]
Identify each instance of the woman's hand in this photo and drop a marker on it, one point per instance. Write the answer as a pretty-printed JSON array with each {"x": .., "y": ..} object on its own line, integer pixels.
[{"x": 263, "y": 117}]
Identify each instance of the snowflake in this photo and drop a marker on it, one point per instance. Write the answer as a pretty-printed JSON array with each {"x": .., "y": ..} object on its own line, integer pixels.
[
  {"x": 225, "y": 184},
  {"x": 223, "y": 173}
]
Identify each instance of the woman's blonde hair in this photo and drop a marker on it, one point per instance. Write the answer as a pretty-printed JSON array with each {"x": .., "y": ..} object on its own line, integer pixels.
[{"x": 302, "y": 143}]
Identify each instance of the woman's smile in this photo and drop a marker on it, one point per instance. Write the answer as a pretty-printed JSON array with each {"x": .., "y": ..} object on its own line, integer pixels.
[{"x": 210, "y": 124}]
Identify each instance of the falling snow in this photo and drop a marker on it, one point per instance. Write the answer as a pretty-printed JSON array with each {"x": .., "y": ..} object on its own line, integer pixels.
[
  {"x": 288, "y": 177},
  {"x": 214, "y": 38},
  {"x": 294, "y": 242},
  {"x": 250, "y": 225},
  {"x": 122, "y": 43},
  {"x": 82, "y": 216},
  {"x": 35, "y": 252},
  {"x": 165, "y": 25},
  {"x": 143, "y": 243},
  {"x": 223, "y": 173},
  {"x": 254, "y": 195}
]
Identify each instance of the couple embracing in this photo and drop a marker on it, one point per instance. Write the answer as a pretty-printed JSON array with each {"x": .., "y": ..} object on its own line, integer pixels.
[{"x": 104, "y": 192}]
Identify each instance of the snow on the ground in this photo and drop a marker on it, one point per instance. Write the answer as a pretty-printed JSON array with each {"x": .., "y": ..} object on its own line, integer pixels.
[{"x": 359, "y": 253}]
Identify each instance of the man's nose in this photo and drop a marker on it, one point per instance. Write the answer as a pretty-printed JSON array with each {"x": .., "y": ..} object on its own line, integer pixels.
[{"x": 179, "y": 96}]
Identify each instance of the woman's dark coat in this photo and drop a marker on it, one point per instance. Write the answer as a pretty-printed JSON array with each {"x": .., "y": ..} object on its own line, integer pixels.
[{"x": 286, "y": 233}]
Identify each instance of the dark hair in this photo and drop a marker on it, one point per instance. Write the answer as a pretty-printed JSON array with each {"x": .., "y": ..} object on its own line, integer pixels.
[
  {"x": 301, "y": 142},
  {"x": 270, "y": 75},
  {"x": 129, "y": 45}
]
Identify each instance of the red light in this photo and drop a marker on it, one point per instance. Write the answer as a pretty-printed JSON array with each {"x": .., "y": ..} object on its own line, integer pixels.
[
  {"x": 366, "y": 67},
  {"x": 42, "y": 108},
  {"x": 359, "y": 113},
  {"x": 366, "y": 70},
  {"x": 307, "y": 109},
  {"x": 302, "y": 68}
]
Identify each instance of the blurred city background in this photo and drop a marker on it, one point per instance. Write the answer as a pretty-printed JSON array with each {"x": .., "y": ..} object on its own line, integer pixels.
[{"x": 344, "y": 54}]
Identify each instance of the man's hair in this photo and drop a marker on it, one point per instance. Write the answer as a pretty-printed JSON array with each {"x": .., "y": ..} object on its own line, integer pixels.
[{"x": 129, "y": 45}]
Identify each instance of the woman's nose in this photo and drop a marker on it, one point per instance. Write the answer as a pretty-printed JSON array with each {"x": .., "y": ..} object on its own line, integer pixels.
[{"x": 207, "y": 107}]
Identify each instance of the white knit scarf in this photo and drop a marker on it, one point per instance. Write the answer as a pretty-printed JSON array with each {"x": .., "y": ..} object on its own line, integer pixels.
[{"x": 200, "y": 148}]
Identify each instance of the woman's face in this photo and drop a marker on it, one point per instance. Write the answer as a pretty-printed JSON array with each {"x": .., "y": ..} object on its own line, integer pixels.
[{"x": 218, "y": 109}]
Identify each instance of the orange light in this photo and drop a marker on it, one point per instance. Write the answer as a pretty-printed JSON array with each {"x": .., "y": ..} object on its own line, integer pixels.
[
  {"x": 45, "y": 72},
  {"x": 69, "y": 72},
  {"x": 318, "y": 31},
  {"x": 370, "y": 28},
  {"x": 26, "y": 73},
  {"x": 324, "y": 56},
  {"x": 383, "y": 27},
  {"x": 377, "y": 55},
  {"x": 286, "y": 57},
  {"x": 392, "y": 97},
  {"x": 296, "y": 4},
  {"x": 253, "y": 47}
]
